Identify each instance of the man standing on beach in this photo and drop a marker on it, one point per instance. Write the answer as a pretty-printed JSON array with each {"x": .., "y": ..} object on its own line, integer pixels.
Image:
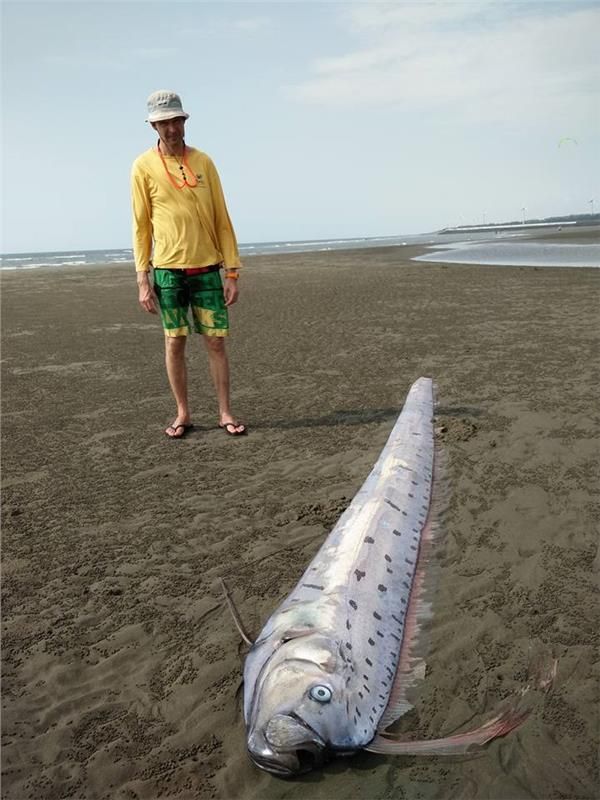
[{"x": 182, "y": 230}]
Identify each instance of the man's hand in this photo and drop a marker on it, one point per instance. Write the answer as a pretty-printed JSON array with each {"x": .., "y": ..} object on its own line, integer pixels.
[
  {"x": 230, "y": 290},
  {"x": 147, "y": 297}
]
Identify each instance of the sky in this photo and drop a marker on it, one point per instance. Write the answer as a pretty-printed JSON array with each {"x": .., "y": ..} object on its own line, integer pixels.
[{"x": 325, "y": 120}]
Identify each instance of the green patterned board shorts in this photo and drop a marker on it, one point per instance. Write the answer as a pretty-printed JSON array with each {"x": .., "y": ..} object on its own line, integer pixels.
[{"x": 177, "y": 292}]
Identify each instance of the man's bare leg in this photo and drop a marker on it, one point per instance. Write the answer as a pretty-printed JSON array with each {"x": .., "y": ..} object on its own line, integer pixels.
[
  {"x": 177, "y": 374},
  {"x": 219, "y": 370}
]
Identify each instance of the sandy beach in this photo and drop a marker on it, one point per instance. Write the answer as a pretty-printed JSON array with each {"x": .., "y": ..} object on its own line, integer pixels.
[{"x": 121, "y": 665}]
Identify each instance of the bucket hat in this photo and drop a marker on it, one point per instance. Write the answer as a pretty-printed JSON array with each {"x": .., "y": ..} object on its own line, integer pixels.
[{"x": 164, "y": 104}]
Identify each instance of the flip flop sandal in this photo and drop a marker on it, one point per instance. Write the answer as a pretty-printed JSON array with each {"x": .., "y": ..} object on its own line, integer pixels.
[
  {"x": 175, "y": 428},
  {"x": 226, "y": 425}
]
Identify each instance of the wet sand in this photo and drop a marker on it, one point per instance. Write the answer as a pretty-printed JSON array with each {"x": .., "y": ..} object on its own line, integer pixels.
[{"x": 121, "y": 666}]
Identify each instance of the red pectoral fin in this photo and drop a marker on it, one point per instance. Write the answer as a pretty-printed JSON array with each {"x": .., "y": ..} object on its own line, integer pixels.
[{"x": 458, "y": 744}]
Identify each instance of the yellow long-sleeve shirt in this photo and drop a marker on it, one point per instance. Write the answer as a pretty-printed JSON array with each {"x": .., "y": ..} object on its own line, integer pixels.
[{"x": 180, "y": 228}]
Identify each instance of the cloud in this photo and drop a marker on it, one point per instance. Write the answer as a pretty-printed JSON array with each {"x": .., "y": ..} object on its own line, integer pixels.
[
  {"x": 482, "y": 60},
  {"x": 387, "y": 17}
]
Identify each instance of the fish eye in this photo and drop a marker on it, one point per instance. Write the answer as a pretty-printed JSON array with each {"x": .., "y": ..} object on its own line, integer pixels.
[{"x": 322, "y": 694}]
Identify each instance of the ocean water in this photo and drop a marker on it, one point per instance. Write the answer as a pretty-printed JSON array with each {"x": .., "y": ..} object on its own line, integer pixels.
[
  {"x": 12, "y": 261},
  {"x": 518, "y": 254},
  {"x": 474, "y": 247}
]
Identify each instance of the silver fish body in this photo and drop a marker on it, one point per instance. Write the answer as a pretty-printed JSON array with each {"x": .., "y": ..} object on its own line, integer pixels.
[{"x": 318, "y": 679}]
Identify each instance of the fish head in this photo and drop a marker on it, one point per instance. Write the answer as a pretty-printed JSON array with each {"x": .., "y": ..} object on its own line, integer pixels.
[{"x": 298, "y": 710}]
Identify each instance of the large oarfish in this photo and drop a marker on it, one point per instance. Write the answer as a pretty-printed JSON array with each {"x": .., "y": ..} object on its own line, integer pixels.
[{"x": 329, "y": 671}]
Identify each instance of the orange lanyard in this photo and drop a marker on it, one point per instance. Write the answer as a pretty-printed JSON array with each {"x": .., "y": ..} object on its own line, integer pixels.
[{"x": 183, "y": 175}]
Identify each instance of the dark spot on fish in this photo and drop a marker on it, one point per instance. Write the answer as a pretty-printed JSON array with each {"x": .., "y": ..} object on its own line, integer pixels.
[
  {"x": 366, "y": 688},
  {"x": 388, "y": 558},
  {"x": 371, "y": 719},
  {"x": 312, "y": 586},
  {"x": 369, "y": 662},
  {"x": 394, "y": 617},
  {"x": 358, "y": 714},
  {"x": 408, "y": 574},
  {"x": 396, "y": 533},
  {"x": 390, "y": 571},
  {"x": 353, "y": 604},
  {"x": 371, "y": 642},
  {"x": 402, "y": 600},
  {"x": 366, "y": 677},
  {"x": 382, "y": 588},
  {"x": 348, "y": 645},
  {"x": 410, "y": 494},
  {"x": 348, "y": 626},
  {"x": 369, "y": 539},
  {"x": 360, "y": 694},
  {"x": 413, "y": 547},
  {"x": 382, "y": 696},
  {"x": 397, "y": 638},
  {"x": 395, "y": 507},
  {"x": 374, "y": 709},
  {"x": 359, "y": 574},
  {"x": 415, "y": 530},
  {"x": 404, "y": 583},
  {"x": 384, "y": 683},
  {"x": 404, "y": 514},
  {"x": 379, "y": 633},
  {"x": 408, "y": 561},
  {"x": 381, "y": 705},
  {"x": 415, "y": 483},
  {"x": 376, "y": 615},
  {"x": 355, "y": 720}
]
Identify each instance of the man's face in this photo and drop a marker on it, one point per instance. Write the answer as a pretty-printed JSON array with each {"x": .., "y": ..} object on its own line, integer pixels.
[{"x": 171, "y": 131}]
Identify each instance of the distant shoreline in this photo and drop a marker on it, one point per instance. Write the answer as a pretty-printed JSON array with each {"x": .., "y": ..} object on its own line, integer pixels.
[{"x": 585, "y": 235}]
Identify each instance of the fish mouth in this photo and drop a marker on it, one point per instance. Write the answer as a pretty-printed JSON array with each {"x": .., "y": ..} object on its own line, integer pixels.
[
  {"x": 288, "y": 765},
  {"x": 289, "y": 747}
]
